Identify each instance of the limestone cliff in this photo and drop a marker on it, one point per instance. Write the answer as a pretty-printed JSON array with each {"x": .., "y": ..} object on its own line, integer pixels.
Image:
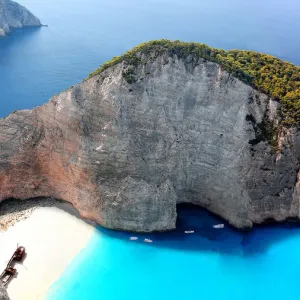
[
  {"x": 127, "y": 145},
  {"x": 14, "y": 15}
]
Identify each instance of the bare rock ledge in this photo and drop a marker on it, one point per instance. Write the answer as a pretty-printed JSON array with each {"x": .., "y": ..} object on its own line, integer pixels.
[{"x": 125, "y": 154}]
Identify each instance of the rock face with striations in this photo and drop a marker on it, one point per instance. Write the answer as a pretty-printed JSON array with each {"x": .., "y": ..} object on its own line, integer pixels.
[
  {"x": 14, "y": 15},
  {"x": 125, "y": 146}
]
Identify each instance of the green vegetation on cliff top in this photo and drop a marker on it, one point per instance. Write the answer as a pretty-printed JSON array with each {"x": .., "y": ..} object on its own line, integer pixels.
[{"x": 268, "y": 74}]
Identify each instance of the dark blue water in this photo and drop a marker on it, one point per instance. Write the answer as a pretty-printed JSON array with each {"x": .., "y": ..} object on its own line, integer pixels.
[
  {"x": 211, "y": 264},
  {"x": 37, "y": 63}
]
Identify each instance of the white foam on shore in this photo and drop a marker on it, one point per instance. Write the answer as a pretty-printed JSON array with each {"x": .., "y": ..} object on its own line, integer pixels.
[{"x": 52, "y": 238}]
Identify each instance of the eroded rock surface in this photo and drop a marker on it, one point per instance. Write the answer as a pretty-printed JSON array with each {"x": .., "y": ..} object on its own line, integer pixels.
[
  {"x": 14, "y": 15},
  {"x": 125, "y": 154}
]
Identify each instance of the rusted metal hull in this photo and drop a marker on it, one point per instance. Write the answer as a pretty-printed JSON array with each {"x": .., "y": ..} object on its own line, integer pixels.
[{"x": 10, "y": 271}]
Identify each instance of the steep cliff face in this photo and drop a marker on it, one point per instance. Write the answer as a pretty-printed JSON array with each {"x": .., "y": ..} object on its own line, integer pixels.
[
  {"x": 14, "y": 15},
  {"x": 3, "y": 293},
  {"x": 126, "y": 146}
]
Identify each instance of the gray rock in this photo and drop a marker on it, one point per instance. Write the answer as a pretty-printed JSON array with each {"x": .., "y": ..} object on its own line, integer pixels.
[
  {"x": 3, "y": 293},
  {"x": 126, "y": 154},
  {"x": 14, "y": 15}
]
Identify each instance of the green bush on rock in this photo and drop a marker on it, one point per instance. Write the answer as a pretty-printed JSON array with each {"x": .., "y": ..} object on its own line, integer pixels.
[{"x": 128, "y": 75}]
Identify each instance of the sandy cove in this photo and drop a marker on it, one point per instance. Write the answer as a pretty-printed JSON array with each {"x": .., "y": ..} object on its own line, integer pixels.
[{"x": 52, "y": 233}]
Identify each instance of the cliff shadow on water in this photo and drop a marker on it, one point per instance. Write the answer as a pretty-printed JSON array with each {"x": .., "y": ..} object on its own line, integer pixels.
[{"x": 206, "y": 238}]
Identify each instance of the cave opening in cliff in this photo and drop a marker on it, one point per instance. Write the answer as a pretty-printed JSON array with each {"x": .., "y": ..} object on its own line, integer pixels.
[
  {"x": 197, "y": 225},
  {"x": 193, "y": 217}
]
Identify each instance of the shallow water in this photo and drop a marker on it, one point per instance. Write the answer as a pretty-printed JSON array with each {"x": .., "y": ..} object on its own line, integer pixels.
[{"x": 210, "y": 264}]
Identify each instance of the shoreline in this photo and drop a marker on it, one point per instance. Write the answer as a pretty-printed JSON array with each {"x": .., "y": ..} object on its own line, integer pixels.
[{"x": 52, "y": 233}]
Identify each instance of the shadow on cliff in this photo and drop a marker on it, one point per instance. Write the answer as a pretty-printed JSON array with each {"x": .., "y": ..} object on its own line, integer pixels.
[
  {"x": 228, "y": 241},
  {"x": 13, "y": 206}
]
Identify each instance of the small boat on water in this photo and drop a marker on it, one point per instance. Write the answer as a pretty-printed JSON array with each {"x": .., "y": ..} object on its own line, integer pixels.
[
  {"x": 218, "y": 226},
  {"x": 189, "y": 231},
  {"x": 148, "y": 241},
  {"x": 133, "y": 238}
]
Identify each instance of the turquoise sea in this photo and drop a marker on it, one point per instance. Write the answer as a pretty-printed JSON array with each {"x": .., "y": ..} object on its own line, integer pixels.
[{"x": 211, "y": 264}]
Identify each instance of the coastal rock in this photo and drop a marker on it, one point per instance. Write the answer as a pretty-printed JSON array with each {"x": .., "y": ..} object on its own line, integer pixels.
[
  {"x": 127, "y": 145},
  {"x": 3, "y": 293},
  {"x": 14, "y": 15}
]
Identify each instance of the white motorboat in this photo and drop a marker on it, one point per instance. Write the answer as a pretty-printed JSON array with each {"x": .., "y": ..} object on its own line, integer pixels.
[
  {"x": 189, "y": 231},
  {"x": 133, "y": 238},
  {"x": 218, "y": 226},
  {"x": 148, "y": 241}
]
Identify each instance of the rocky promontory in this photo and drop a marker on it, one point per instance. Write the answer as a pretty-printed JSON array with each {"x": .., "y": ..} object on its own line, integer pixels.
[
  {"x": 166, "y": 123},
  {"x": 14, "y": 15}
]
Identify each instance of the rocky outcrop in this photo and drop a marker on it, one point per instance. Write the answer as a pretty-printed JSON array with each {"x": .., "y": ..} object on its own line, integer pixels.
[
  {"x": 3, "y": 293},
  {"x": 14, "y": 15},
  {"x": 127, "y": 145}
]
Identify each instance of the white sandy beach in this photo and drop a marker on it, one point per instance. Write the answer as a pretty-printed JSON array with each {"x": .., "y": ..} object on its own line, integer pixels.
[{"x": 52, "y": 237}]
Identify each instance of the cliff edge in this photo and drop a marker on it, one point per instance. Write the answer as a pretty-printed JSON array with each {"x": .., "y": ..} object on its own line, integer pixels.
[
  {"x": 154, "y": 128},
  {"x": 14, "y": 15}
]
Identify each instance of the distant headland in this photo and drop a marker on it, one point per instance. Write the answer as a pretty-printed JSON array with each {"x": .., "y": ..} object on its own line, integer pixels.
[{"x": 14, "y": 15}]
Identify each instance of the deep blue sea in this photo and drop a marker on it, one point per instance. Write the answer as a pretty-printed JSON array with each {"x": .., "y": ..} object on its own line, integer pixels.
[
  {"x": 37, "y": 63},
  {"x": 211, "y": 264}
]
